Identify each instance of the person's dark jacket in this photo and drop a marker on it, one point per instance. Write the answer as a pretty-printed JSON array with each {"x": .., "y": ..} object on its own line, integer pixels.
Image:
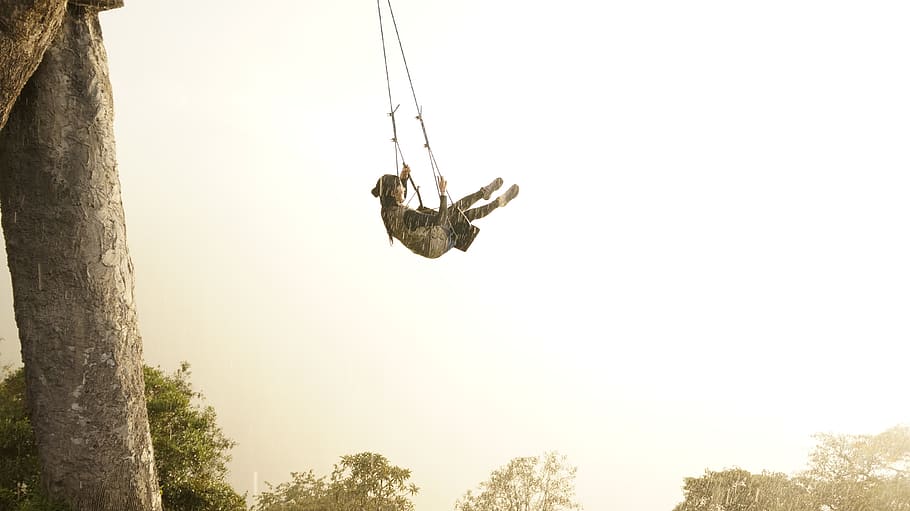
[{"x": 424, "y": 231}]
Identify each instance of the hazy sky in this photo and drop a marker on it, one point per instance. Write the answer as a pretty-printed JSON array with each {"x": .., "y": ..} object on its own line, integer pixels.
[{"x": 708, "y": 261}]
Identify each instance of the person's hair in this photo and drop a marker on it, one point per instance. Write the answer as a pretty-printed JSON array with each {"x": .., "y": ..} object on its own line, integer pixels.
[
  {"x": 386, "y": 185},
  {"x": 384, "y": 189}
]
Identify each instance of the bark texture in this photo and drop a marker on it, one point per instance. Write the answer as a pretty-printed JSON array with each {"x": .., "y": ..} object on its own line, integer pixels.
[
  {"x": 98, "y": 5},
  {"x": 27, "y": 27},
  {"x": 72, "y": 278}
]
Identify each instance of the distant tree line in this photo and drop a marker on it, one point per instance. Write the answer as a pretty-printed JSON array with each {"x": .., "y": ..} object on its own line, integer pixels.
[
  {"x": 845, "y": 472},
  {"x": 368, "y": 482}
]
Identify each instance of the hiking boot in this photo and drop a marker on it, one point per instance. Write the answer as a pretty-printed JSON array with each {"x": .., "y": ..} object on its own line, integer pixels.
[
  {"x": 488, "y": 190},
  {"x": 510, "y": 194}
]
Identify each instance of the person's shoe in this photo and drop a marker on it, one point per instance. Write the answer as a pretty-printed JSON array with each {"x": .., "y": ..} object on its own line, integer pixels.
[
  {"x": 510, "y": 194},
  {"x": 490, "y": 188}
]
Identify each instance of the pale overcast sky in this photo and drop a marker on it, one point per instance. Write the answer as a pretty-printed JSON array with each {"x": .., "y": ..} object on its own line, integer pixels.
[{"x": 707, "y": 263}]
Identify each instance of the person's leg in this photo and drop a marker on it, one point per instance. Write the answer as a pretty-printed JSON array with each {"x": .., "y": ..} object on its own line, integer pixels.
[
  {"x": 486, "y": 209},
  {"x": 484, "y": 193},
  {"x": 488, "y": 190},
  {"x": 469, "y": 200},
  {"x": 480, "y": 212},
  {"x": 510, "y": 194}
]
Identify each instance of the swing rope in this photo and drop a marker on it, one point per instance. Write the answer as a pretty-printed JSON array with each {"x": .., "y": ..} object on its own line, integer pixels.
[
  {"x": 393, "y": 108},
  {"x": 433, "y": 165}
]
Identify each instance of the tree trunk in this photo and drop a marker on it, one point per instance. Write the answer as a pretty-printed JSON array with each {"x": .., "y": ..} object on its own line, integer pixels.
[
  {"x": 98, "y": 5},
  {"x": 72, "y": 278},
  {"x": 27, "y": 27}
]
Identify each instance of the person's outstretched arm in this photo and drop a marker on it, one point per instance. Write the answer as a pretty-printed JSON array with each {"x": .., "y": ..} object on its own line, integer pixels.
[
  {"x": 443, "y": 214},
  {"x": 405, "y": 173}
]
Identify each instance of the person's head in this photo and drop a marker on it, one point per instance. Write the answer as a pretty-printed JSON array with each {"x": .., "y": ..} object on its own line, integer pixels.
[{"x": 389, "y": 190}]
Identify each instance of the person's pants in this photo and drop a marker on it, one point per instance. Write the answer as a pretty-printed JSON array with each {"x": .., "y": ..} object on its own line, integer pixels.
[{"x": 479, "y": 212}]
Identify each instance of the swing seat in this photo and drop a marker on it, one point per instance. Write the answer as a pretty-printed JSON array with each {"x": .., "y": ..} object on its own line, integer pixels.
[
  {"x": 464, "y": 235},
  {"x": 465, "y": 231}
]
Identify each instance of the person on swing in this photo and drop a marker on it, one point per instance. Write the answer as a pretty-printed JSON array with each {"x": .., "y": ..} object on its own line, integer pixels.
[{"x": 431, "y": 233}]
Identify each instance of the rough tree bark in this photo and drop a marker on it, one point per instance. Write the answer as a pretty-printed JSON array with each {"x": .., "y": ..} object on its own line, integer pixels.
[
  {"x": 72, "y": 278},
  {"x": 26, "y": 29}
]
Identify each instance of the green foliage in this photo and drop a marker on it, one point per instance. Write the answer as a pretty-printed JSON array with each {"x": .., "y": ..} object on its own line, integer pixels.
[
  {"x": 739, "y": 490},
  {"x": 846, "y": 473},
  {"x": 18, "y": 455},
  {"x": 19, "y": 470},
  {"x": 359, "y": 482},
  {"x": 191, "y": 451},
  {"x": 368, "y": 482},
  {"x": 860, "y": 472},
  {"x": 305, "y": 492},
  {"x": 545, "y": 483}
]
